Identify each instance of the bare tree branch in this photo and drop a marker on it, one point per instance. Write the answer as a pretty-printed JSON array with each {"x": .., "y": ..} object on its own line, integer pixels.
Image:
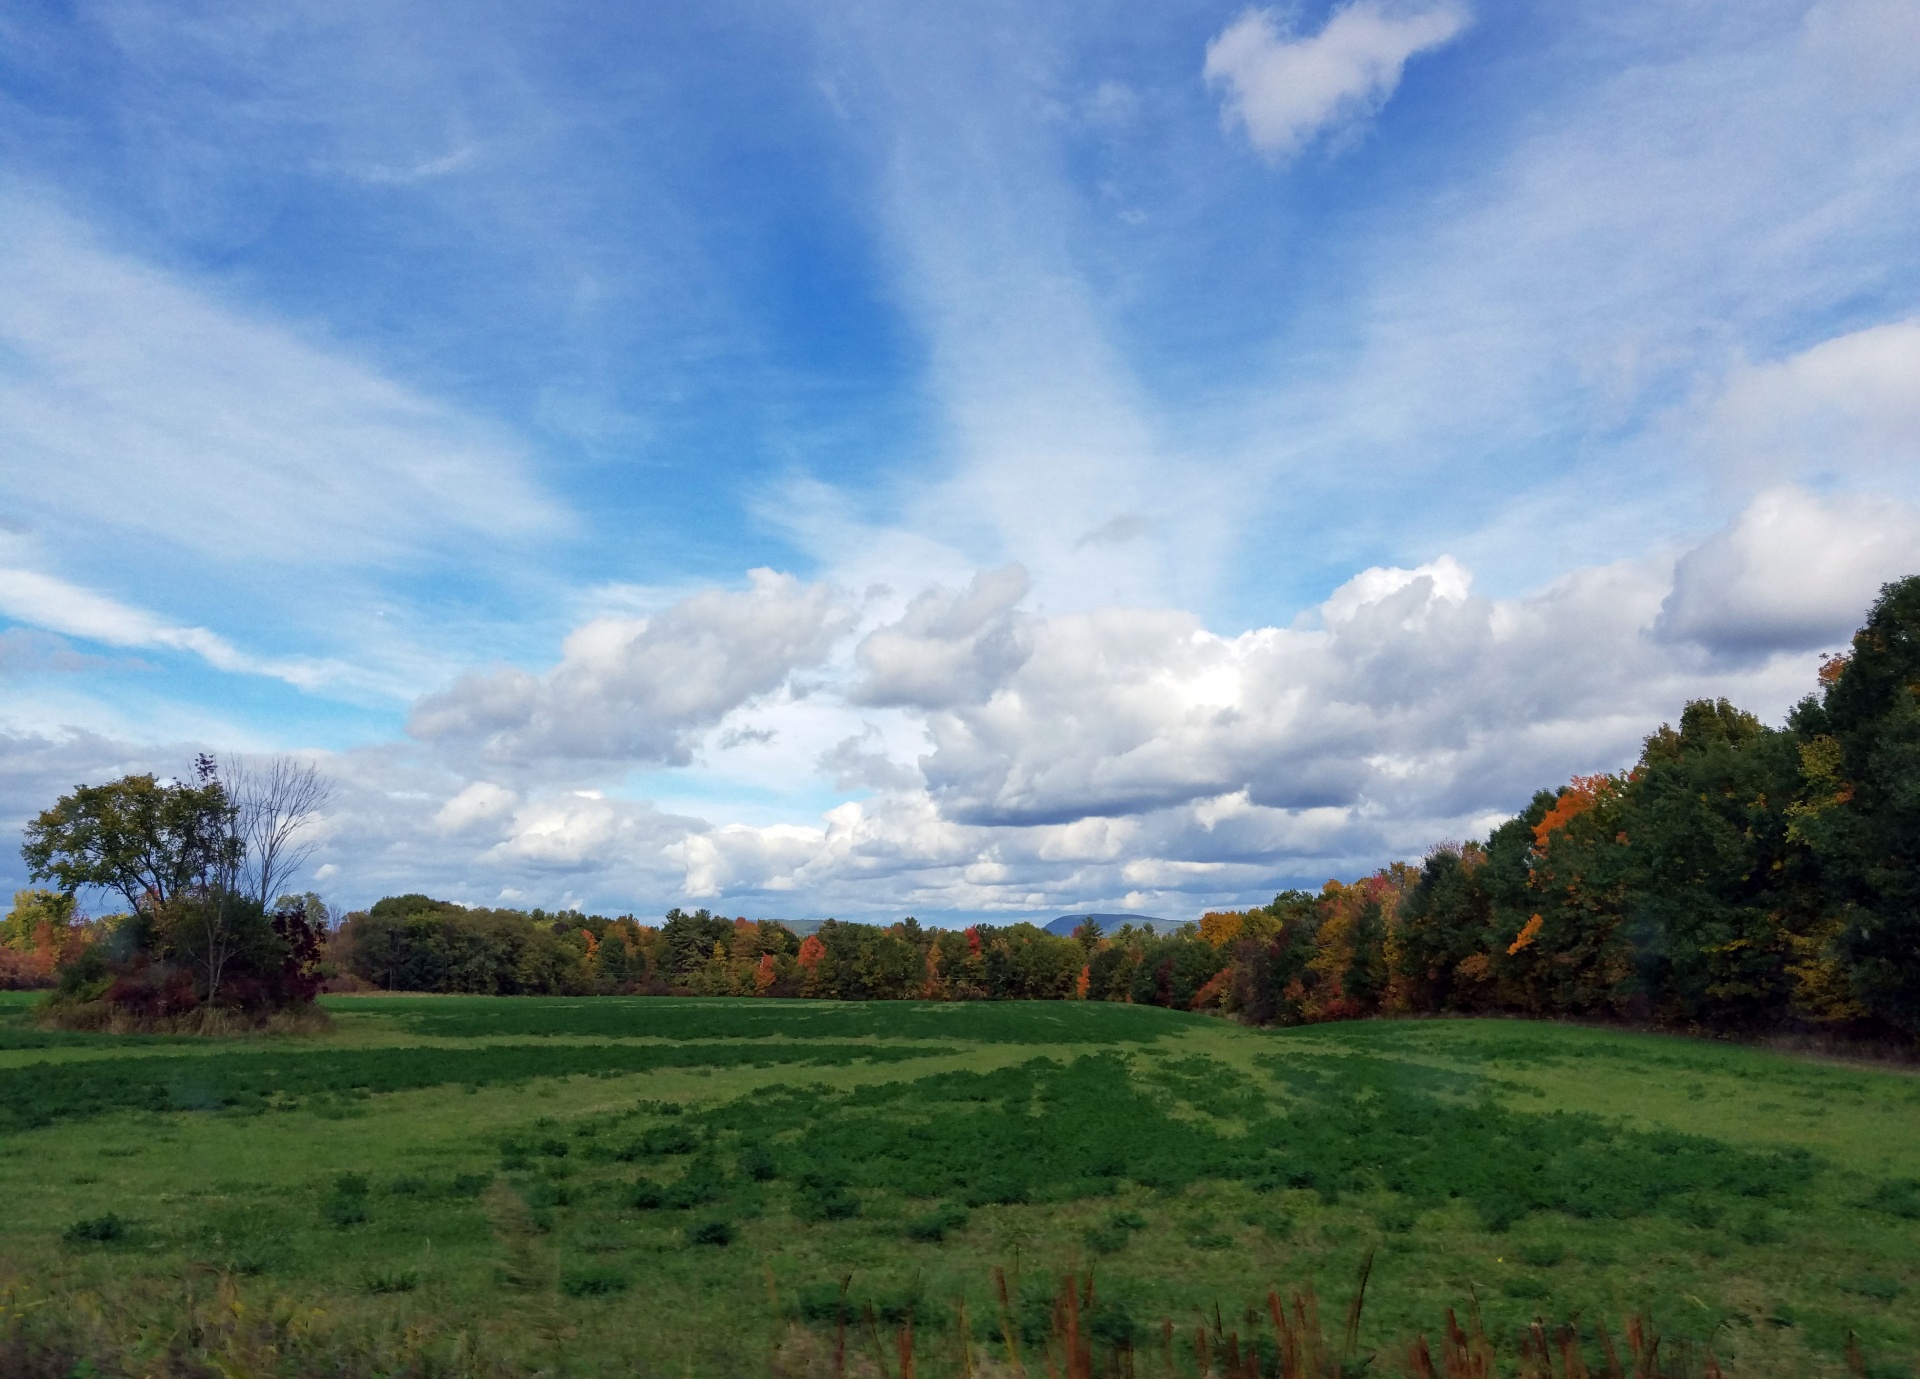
[{"x": 275, "y": 802}]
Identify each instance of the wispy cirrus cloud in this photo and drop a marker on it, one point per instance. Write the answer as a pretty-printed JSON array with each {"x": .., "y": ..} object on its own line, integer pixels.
[
  {"x": 135, "y": 401},
  {"x": 43, "y": 601}
]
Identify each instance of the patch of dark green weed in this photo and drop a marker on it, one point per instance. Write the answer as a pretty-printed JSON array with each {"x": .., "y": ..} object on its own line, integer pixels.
[
  {"x": 98, "y": 1230},
  {"x": 1897, "y": 1197},
  {"x": 594, "y": 1283},
  {"x": 384, "y": 1281},
  {"x": 936, "y": 1226}
]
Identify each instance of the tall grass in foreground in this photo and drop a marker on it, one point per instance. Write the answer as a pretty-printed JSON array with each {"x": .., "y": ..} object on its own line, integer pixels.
[
  {"x": 1288, "y": 1342},
  {"x": 210, "y": 1331}
]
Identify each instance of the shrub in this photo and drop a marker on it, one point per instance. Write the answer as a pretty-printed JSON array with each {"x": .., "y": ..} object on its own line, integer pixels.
[
  {"x": 98, "y": 1230},
  {"x": 251, "y": 1262},
  {"x": 383, "y": 1281},
  {"x": 1111, "y": 1322},
  {"x": 670, "y": 1139},
  {"x": 544, "y": 1194},
  {"x": 342, "y": 1212},
  {"x": 593, "y": 1283},
  {"x": 1105, "y": 1240},
  {"x": 703, "y": 1182},
  {"x": 1898, "y": 1197},
  {"x": 1111, "y": 1235},
  {"x": 346, "y": 1205},
  {"x": 934, "y": 1226},
  {"x": 1397, "y": 1220},
  {"x": 714, "y": 1232},
  {"x": 823, "y": 1302},
  {"x": 757, "y": 1162},
  {"x": 818, "y": 1198},
  {"x": 1757, "y": 1227}
]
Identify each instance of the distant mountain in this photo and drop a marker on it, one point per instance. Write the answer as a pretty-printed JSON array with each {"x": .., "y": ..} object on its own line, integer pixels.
[{"x": 1066, "y": 924}]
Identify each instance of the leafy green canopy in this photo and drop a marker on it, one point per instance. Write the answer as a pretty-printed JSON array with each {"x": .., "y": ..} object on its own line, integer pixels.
[
  {"x": 1861, "y": 757},
  {"x": 147, "y": 840}
]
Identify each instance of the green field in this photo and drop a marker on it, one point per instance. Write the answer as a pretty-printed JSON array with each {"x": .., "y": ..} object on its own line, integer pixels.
[{"x": 640, "y": 1186}]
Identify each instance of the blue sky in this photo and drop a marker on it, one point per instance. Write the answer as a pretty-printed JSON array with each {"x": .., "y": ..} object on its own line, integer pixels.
[{"x": 839, "y": 458}]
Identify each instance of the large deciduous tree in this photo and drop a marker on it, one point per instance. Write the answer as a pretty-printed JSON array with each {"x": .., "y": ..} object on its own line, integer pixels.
[
  {"x": 1860, "y": 813},
  {"x": 197, "y": 861},
  {"x": 146, "y": 839}
]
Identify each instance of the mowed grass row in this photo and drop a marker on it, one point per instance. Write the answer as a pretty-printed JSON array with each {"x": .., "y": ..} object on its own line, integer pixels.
[{"x": 677, "y": 1212}]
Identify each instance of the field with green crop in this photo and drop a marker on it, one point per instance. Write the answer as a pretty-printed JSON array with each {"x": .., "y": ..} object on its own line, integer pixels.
[{"x": 641, "y": 1186}]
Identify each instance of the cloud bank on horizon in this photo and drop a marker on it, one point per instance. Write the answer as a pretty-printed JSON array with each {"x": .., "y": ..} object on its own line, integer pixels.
[{"x": 817, "y": 459}]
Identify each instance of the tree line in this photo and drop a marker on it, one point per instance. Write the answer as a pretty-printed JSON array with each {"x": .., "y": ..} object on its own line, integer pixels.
[{"x": 1736, "y": 877}]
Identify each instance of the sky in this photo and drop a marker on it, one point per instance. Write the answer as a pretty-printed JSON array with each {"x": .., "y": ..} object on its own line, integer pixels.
[{"x": 977, "y": 462}]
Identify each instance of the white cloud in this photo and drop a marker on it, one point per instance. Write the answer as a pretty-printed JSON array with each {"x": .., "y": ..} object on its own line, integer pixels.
[
  {"x": 861, "y": 762},
  {"x": 479, "y": 805},
  {"x": 1793, "y": 572},
  {"x": 1025, "y": 760},
  {"x": 635, "y": 690},
  {"x": 1847, "y": 407},
  {"x": 1407, "y": 696},
  {"x": 36, "y": 768},
  {"x": 580, "y": 832},
  {"x": 1448, "y": 579},
  {"x": 735, "y": 858},
  {"x": 1285, "y": 91},
  {"x": 1124, "y": 756},
  {"x": 54, "y": 604},
  {"x": 137, "y": 402},
  {"x": 947, "y": 647}
]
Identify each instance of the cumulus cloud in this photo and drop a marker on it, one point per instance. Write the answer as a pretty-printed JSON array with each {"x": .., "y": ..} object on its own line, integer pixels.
[
  {"x": 1793, "y": 572},
  {"x": 1017, "y": 762},
  {"x": 948, "y": 647},
  {"x": 1132, "y": 757},
  {"x": 1123, "y": 711},
  {"x": 1285, "y": 90},
  {"x": 479, "y": 805},
  {"x": 641, "y": 689},
  {"x": 736, "y": 859},
  {"x": 861, "y": 762},
  {"x": 582, "y": 831}
]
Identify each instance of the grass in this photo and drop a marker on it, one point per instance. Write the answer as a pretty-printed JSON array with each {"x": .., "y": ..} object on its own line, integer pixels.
[{"x": 663, "y": 1186}]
